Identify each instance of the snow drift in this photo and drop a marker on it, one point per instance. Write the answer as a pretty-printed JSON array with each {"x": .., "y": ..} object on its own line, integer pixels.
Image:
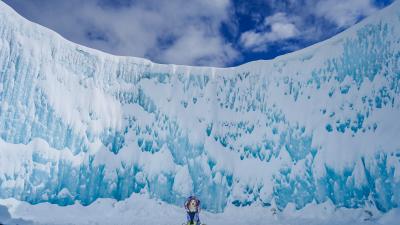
[{"x": 320, "y": 124}]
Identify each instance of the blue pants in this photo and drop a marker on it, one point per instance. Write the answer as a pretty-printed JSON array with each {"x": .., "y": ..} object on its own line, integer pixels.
[{"x": 193, "y": 217}]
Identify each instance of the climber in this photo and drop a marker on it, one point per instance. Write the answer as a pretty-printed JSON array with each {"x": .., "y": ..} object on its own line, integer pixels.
[{"x": 192, "y": 206}]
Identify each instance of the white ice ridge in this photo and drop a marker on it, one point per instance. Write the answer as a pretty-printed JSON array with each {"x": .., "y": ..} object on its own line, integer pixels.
[{"x": 320, "y": 124}]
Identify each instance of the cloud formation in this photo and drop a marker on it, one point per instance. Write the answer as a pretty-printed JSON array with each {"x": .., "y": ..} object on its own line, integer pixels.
[
  {"x": 174, "y": 31},
  {"x": 304, "y": 21},
  {"x": 275, "y": 28},
  {"x": 344, "y": 13},
  {"x": 196, "y": 32}
]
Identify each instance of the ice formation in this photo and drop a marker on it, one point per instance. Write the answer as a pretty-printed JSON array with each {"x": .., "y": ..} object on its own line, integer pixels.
[{"x": 321, "y": 124}]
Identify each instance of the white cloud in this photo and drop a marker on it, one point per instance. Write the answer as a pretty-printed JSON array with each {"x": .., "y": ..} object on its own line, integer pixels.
[
  {"x": 252, "y": 39},
  {"x": 344, "y": 13},
  {"x": 174, "y": 31},
  {"x": 304, "y": 21},
  {"x": 275, "y": 28},
  {"x": 197, "y": 46},
  {"x": 281, "y": 27}
]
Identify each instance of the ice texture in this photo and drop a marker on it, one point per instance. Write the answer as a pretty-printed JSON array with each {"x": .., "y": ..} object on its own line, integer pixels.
[{"x": 320, "y": 124}]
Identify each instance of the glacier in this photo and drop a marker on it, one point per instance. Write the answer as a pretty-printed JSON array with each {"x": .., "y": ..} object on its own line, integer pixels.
[{"x": 314, "y": 126}]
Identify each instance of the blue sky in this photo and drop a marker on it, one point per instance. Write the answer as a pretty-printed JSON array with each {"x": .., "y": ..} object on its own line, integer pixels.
[{"x": 197, "y": 32}]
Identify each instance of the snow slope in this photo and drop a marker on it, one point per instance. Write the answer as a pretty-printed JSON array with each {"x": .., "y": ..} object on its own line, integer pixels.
[{"x": 314, "y": 126}]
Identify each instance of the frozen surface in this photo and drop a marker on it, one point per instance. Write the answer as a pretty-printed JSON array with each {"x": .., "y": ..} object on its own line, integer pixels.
[
  {"x": 315, "y": 126},
  {"x": 140, "y": 210}
]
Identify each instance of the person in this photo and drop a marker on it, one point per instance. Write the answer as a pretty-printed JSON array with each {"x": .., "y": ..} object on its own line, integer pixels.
[{"x": 192, "y": 206}]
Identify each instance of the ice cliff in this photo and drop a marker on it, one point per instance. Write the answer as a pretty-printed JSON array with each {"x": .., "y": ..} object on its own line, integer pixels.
[{"x": 320, "y": 124}]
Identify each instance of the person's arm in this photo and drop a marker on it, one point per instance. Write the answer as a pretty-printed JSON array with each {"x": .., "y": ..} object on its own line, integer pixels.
[{"x": 186, "y": 205}]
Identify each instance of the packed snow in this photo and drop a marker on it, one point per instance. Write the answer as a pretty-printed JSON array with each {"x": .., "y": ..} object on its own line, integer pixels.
[
  {"x": 138, "y": 209},
  {"x": 311, "y": 137}
]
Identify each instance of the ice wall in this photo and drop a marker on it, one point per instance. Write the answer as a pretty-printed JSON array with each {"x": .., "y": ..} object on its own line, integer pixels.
[{"x": 320, "y": 124}]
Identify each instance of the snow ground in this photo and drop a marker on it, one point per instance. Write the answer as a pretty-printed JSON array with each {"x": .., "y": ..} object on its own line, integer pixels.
[{"x": 141, "y": 210}]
